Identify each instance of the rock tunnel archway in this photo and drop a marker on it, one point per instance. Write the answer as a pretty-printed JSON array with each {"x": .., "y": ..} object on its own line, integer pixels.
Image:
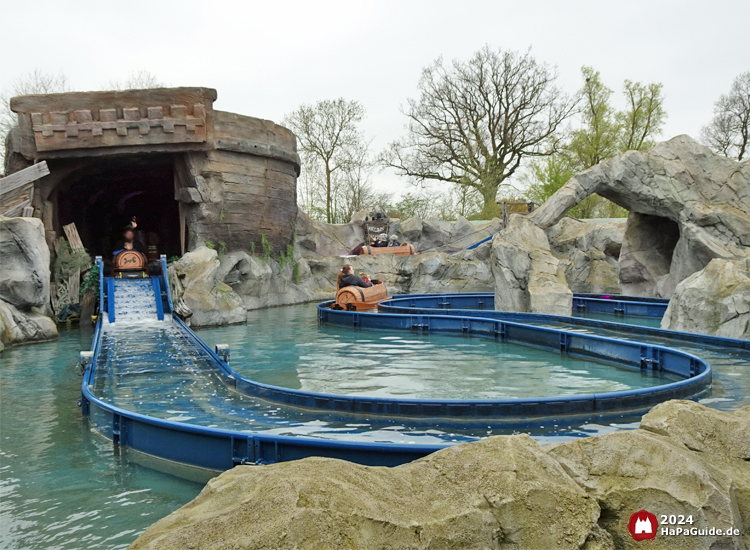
[{"x": 688, "y": 205}]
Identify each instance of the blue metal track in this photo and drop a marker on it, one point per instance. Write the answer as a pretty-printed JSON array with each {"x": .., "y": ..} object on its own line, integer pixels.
[{"x": 220, "y": 449}]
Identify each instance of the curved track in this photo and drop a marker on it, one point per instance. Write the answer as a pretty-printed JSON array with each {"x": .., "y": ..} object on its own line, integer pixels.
[{"x": 217, "y": 418}]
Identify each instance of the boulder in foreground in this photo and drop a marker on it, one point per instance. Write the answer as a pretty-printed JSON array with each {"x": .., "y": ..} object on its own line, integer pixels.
[{"x": 504, "y": 492}]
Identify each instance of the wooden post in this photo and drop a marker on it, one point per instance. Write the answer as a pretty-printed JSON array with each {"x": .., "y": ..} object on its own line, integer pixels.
[
  {"x": 181, "y": 208},
  {"x": 72, "y": 233}
]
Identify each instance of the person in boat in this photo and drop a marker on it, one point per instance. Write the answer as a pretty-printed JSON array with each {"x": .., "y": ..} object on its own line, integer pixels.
[
  {"x": 394, "y": 241},
  {"x": 365, "y": 277},
  {"x": 128, "y": 241},
  {"x": 348, "y": 278},
  {"x": 382, "y": 240}
]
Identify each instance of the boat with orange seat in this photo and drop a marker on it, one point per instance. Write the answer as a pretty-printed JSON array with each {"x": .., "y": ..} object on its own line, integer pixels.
[
  {"x": 130, "y": 264},
  {"x": 356, "y": 298}
]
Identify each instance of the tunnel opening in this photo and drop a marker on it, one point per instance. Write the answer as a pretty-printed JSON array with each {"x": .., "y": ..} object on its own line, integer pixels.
[
  {"x": 646, "y": 255},
  {"x": 102, "y": 198}
]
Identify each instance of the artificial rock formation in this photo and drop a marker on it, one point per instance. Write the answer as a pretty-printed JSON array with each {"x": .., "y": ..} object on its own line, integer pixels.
[
  {"x": 24, "y": 282},
  {"x": 528, "y": 277},
  {"x": 504, "y": 492},
  {"x": 715, "y": 300},
  {"x": 191, "y": 173},
  {"x": 195, "y": 278},
  {"x": 588, "y": 251},
  {"x": 688, "y": 206},
  {"x": 317, "y": 239}
]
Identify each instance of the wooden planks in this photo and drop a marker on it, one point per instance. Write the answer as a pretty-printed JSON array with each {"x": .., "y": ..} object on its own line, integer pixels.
[
  {"x": 17, "y": 210},
  {"x": 22, "y": 177},
  {"x": 72, "y": 233}
]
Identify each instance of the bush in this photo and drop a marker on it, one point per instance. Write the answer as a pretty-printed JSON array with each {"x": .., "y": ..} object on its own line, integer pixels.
[{"x": 267, "y": 248}]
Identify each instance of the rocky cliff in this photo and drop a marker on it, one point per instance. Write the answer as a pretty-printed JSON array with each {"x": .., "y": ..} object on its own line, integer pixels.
[{"x": 502, "y": 492}]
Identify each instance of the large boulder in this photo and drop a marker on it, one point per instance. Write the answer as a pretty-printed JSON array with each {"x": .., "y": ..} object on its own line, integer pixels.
[
  {"x": 715, "y": 300},
  {"x": 685, "y": 460},
  {"x": 503, "y": 492},
  {"x": 691, "y": 205},
  {"x": 267, "y": 282},
  {"x": 196, "y": 278},
  {"x": 588, "y": 251},
  {"x": 435, "y": 272},
  {"x": 23, "y": 327},
  {"x": 528, "y": 277},
  {"x": 24, "y": 282},
  {"x": 25, "y": 259}
]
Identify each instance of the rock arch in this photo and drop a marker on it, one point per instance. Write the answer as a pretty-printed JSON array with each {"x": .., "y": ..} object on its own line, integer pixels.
[{"x": 688, "y": 205}]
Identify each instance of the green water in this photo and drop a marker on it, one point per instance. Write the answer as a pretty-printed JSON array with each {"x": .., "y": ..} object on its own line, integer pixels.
[
  {"x": 331, "y": 359},
  {"x": 61, "y": 486}
]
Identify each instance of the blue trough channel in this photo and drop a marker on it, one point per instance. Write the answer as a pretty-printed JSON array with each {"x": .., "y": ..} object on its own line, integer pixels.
[{"x": 646, "y": 350}]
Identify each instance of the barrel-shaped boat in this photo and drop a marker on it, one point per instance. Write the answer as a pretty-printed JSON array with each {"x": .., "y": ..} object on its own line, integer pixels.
[
  {"x": 355, "y": 297},
  {"x": 405, "y": 249}
]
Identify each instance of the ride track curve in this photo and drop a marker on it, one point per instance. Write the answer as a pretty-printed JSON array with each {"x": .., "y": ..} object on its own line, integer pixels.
[{"x": 214, "y": 448}]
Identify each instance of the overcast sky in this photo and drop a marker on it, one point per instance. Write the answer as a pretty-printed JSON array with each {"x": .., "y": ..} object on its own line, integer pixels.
[{"x": 266, "y": 58}]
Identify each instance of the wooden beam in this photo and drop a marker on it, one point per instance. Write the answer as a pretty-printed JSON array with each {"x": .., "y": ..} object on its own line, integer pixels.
[
  {"x": 16, "y": 210},
  {"x": 72, "y": 233},
  {"x": 22, "y": 177}
]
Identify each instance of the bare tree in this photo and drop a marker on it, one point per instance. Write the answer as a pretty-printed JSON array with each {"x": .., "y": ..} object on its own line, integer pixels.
[
  {"x": 35, "y": 82},
  {"x": 476, "y": 121},
  {"x": 136, "y": 80},
  {"x": 329, "y": 136},
  {"x": 729, "y": 130}
]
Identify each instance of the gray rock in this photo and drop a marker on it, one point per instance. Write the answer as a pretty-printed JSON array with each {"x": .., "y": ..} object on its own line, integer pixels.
[
  {"x": 212, "y": 301},
  {"x": 25, "y": 259},
  {"x": 528, "y": 277},
  {"x": 502, "y": 492},
  {"x": 677, "y": 183},
  {"x": 23, "y": 327},
  {"x": 715, "y": 300},
  {"x": 588, "y": 252},
  {"x": 24, "y": 282},
  {"x": 646, "y": 255}
]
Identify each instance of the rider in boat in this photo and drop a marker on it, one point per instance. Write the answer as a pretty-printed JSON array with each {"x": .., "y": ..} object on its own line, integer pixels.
[
  {"x": 348, "y": 278},
  {"x": 394, "y": 241},
  {"x": 128, "y": 241}
]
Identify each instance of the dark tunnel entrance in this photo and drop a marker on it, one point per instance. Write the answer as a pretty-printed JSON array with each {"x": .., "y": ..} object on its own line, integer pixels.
[{"x": 103, "y": 197}]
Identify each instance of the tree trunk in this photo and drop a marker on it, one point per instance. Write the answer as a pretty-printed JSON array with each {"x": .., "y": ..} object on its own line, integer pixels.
[
  {"x": 328, "y": 194},
  {"x": 489, "y": 198}
]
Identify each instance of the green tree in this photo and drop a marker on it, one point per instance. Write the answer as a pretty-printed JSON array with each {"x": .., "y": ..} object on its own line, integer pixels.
[
  {"x": 643, "y": 118},
  {"x": 604, "y": 132},
  {"x": 476, "y": 121},
  {"x": 418, "y": 205},
  {"x": 597, "y": 138}
]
